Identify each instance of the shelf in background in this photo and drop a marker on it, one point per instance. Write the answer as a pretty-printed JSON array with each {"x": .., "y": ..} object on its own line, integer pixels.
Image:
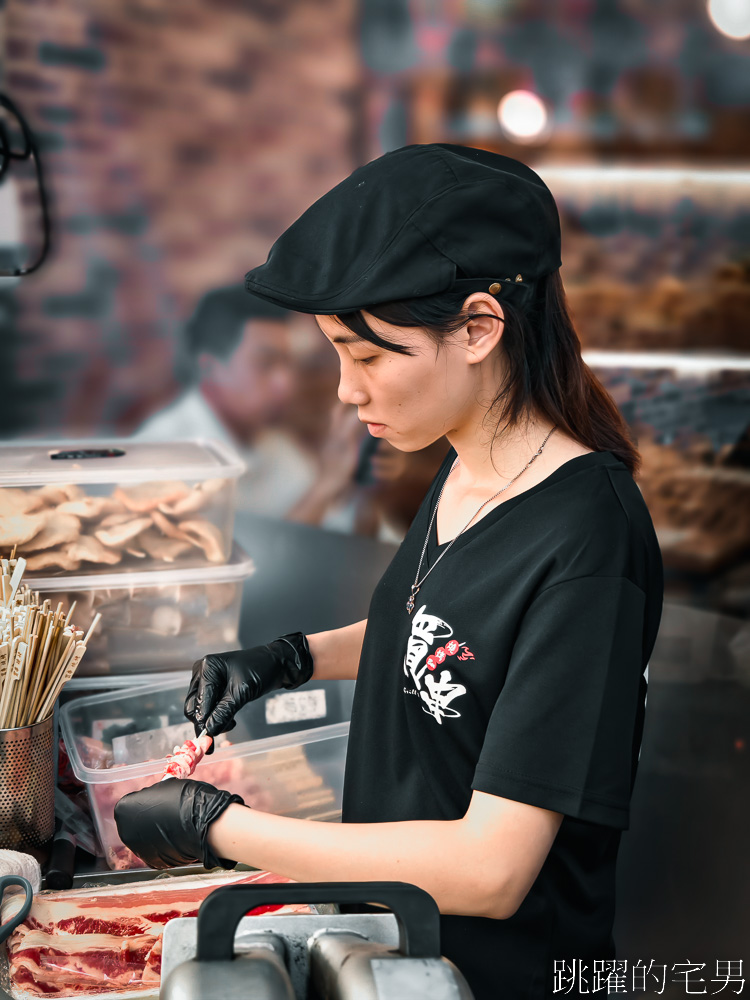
[
  {"x": 624, "y": 174},
  {"x": 673, "y": 360}
]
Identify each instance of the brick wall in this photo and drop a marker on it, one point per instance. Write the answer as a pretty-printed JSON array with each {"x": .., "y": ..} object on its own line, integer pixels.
[{"x": 179, "y": 140}]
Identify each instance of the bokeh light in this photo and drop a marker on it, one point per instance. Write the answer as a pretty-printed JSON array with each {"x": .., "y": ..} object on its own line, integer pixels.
[
  {"x": 522, "y": 116},
  {"x": 731, "y": 17}
]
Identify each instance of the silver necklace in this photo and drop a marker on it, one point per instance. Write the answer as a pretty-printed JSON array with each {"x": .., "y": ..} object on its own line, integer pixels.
[{"x": 417, "y": 582}]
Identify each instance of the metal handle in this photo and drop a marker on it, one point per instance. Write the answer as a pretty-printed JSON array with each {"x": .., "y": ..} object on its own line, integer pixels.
[
  {"x": 10, "y": 925},
  {"x": 415, "y": 910}
]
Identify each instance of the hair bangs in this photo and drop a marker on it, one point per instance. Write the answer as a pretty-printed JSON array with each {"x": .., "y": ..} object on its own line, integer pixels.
[{"x": 356, "y": 322}]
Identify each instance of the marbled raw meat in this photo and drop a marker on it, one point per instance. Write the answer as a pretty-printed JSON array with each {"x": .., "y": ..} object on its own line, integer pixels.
[
  {"x": 104, "y": 941},
  {"x": 186, "y": 758}
]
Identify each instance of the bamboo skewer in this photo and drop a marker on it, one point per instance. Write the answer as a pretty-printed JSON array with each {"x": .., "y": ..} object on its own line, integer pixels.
[
  {"x": 49, "y": 679},
  {"x": 4, "y": 652},
  {"x": 18, "y": 652},
  {"x": 15, "y": 580},
  {"x": 39, "y": 649},
  {"x": 25, "y": 679},
  {"x": 34, "y": 686},
  {"x": 92, "y": 626},
  {"x": 63, "y": 675},
  {"x": 43, "y": 675},
  {"x": 8, "y": 684}
]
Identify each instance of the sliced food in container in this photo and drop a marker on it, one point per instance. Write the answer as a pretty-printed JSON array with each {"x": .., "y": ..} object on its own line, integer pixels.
[{"x": 89, "y": 505}]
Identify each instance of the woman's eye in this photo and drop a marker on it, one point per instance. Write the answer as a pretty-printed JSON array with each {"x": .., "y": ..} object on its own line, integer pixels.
[{"x": 364, "y": 361}]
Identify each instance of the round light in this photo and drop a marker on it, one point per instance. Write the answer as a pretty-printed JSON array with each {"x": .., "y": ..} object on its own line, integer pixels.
[
  {"x": 730, "y": 17},
  {"x": 522, "y": 115}
]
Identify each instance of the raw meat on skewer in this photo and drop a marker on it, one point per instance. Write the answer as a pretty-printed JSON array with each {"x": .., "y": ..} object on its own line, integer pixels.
[
  {"x": 284, "y": 782},
  {"x": 186, "y": 758}
]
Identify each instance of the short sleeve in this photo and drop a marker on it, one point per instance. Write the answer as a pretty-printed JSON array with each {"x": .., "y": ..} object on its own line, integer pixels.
[{"x": 561, "y": 734}]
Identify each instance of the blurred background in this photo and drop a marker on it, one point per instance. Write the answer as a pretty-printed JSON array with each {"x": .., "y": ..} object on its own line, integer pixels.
[
  {"x": 179, "y": 140},
  {"x": 177, "y": 145}
]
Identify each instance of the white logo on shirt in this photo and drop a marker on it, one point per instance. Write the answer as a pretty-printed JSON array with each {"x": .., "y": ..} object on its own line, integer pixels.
[{"x": 438, "y": 689}]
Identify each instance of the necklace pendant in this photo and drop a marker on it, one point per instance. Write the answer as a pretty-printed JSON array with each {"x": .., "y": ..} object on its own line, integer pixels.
[{"x": 410, "y": 602}]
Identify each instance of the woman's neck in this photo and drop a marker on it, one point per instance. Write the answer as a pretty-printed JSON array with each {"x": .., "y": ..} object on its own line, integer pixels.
[{"x": 481, "y": 468}]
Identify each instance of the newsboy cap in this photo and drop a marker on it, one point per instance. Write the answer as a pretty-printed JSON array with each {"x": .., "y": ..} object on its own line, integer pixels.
[{"x": 419, "y": 220}]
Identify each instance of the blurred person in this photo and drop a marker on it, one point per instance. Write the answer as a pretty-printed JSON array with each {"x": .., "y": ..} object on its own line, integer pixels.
[
  {"x": 395, "y": 488},
  {"x": 364, "y": 484},
  {"x": 237, "y": 360}
]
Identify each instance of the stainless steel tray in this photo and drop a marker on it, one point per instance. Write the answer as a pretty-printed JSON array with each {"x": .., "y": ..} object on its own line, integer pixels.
[{"x": 99, "y": 877}]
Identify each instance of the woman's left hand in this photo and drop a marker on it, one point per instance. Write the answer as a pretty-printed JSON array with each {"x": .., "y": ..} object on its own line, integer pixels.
[{"x": 166, "y": 824}]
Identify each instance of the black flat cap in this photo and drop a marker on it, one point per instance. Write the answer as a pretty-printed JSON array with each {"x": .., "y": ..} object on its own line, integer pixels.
[{"x": 416, "y": 221}]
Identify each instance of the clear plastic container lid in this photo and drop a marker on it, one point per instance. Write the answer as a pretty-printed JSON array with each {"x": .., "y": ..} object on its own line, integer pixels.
[
  {"x": 239, "y": 567},
  {"x": 129, "y": 682},
  {"x": 115, "y": 460}
]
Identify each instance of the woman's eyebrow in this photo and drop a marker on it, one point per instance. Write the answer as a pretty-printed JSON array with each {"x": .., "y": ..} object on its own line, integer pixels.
[{"x": 354, "y": 339}]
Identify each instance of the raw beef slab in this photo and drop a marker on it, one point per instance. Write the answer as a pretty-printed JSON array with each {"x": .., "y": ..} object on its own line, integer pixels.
[{"x": 98, "y": 942}]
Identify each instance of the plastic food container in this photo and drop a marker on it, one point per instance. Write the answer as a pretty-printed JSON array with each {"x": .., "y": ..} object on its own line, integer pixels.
[
  {"x": 80, "y": 687},
  {"x": 157, "y": 620},
  {"x": 103, "y": 507},
  {"x": 285, "y": 756}
]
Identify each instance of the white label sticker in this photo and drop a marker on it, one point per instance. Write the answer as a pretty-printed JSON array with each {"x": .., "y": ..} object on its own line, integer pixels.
[
  {"x": 295, "y": 706},
  {"x": 99, "y": 725}
]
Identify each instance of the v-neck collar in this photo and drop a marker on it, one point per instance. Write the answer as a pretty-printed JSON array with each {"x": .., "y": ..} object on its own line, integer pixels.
[{"x": 569, "y": 468}]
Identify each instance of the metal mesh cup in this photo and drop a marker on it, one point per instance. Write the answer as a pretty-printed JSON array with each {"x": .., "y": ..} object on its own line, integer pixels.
[{"x": 27, "y": 785}]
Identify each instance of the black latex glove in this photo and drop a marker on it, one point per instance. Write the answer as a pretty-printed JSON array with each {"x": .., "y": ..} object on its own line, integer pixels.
[
  {"x": 166, "y": 824},
  {"x": 223, "y": 682}
]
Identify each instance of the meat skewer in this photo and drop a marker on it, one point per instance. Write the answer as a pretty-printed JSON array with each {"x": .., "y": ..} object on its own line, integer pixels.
[{"x": 184, "y": 760}]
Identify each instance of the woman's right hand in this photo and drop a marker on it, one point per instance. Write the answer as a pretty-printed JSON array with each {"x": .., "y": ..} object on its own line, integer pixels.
[{"x": 222, "y": 683}]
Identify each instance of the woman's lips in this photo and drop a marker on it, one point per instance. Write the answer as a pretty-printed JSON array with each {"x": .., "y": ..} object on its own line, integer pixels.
[{"x": 375, "y": 428}]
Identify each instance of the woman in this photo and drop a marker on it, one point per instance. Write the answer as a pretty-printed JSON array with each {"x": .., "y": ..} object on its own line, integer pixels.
[{"x": 500, "y": 692}]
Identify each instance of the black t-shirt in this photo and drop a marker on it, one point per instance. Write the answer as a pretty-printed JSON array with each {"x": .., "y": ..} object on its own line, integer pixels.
[{"x": 519, "y": 673}]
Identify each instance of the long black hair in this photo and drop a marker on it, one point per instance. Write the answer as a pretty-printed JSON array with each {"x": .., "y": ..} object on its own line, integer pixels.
[{"x": 545, "y": 373}]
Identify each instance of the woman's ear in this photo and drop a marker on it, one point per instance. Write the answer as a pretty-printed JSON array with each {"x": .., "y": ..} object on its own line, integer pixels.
[{"x": 484, "y": 328}]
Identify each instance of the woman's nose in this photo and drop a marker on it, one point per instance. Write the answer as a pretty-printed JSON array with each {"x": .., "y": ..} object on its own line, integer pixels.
[{"x": 350, "y": 391}]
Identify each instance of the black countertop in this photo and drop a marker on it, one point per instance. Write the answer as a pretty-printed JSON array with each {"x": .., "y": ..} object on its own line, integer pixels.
[{"x": 307, "y": 579}]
